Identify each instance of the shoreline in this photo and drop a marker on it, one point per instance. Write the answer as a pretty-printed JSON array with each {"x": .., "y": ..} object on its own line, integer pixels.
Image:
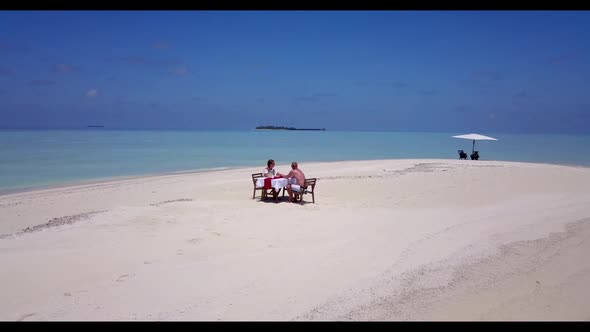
[
  {"x": 94, "y": 181},
  {"x": 104, "y": 180}
]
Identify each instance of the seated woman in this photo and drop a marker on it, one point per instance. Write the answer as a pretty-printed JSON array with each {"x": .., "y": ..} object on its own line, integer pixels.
[{"x": 269, "y": 172}]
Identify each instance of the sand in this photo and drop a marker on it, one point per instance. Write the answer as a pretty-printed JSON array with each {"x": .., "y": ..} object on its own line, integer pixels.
[{"x": 385, "y": 240}]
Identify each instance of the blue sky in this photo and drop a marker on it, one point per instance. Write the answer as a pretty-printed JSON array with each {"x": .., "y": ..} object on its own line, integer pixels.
[{"x": 449, "y": 71}]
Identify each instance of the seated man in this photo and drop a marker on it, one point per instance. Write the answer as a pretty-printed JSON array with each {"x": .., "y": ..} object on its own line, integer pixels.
[
  {"x": 299, "y": 177},
  {"x": 475, "y": 155},
  {"x": 462, "y": 154}
]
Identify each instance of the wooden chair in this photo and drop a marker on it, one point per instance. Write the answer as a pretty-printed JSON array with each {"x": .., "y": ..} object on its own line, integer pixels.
[
  {"x": 264, "y": 192},
  {"x": 307, "y": 188},
  {"x": 255, "y": 177}
]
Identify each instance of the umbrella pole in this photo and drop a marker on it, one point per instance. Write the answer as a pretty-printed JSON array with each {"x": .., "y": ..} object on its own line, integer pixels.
[{"x": 473, "y": 148}]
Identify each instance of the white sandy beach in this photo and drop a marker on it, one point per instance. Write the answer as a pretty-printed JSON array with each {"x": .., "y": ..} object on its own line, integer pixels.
[{"x": 386, "y": 240}]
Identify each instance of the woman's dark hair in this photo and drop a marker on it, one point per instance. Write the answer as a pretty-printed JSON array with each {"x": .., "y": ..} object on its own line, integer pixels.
[{"x": 270, "y": 161}]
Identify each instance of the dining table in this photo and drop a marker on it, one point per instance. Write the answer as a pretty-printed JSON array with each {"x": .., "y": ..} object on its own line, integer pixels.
[{"x": 277, "y": 182}]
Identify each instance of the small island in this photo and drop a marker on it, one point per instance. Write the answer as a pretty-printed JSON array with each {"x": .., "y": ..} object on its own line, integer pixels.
[
  {"x": 95, "y": 126},
  {"x": 286, "y": 128}
]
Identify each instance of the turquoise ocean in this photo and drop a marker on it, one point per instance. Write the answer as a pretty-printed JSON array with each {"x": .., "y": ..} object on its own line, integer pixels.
[{"x": 38, "y": 158}]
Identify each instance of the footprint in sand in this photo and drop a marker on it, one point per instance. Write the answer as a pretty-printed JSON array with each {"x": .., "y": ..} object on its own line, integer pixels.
[
  {"x": 180, "y": 252},
  {"x": 123, "y": 278},
  {"x": 23, "y": 317},
  {"x": 195, "y": 240},
  {"x": 216, "y": 233}
]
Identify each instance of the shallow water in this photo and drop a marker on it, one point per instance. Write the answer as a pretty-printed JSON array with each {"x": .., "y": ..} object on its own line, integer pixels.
[{"x": 31, "y": 158}]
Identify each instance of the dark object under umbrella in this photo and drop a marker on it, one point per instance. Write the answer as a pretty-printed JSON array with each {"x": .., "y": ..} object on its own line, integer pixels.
[{"x": 475, "y": 137}]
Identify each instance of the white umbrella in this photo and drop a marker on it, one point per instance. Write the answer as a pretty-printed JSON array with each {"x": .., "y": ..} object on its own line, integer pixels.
[{"x": 476, "y": 137}]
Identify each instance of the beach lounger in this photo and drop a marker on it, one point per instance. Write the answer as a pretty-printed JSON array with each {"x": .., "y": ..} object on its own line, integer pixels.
[{"x": 462, "y": 154}]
